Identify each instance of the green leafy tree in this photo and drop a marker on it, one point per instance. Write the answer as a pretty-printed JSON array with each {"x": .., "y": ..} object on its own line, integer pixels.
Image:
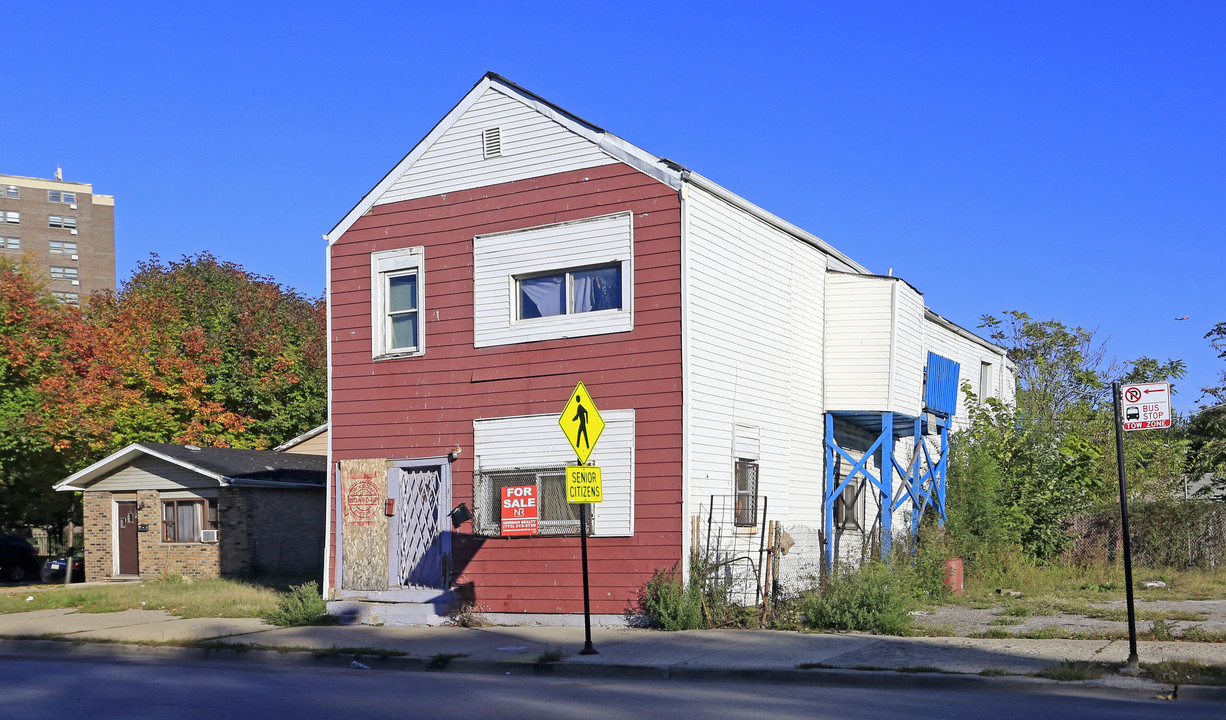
[
  {"x": 33, "y": 330},
  {"x": 1207, "y": 429},
  {"x": 197, "y": 351}
]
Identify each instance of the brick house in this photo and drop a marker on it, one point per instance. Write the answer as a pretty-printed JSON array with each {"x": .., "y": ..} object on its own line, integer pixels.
[{"x": 155, "y": 509}]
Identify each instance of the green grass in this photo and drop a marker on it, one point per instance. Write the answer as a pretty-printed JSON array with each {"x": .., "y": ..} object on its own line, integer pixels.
[
  {"x": 551, "y": 656},
  {"x": 1004, "y": 620},
  {"x": 201, "y": 598},
  {"x": 442, "y": 660}
]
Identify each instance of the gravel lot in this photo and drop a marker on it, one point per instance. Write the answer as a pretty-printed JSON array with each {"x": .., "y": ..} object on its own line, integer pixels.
[{"x": 966, "y": 621}]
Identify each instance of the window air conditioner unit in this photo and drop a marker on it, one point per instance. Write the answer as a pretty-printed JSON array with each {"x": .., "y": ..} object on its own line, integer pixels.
[
  {"x": 74, "y": 257},
  {"x": 74, "y": 232},
  {"x": 76, "y": 282},
  {"x": 73, "y": 206},
  {"x": 208, "y": 536}
]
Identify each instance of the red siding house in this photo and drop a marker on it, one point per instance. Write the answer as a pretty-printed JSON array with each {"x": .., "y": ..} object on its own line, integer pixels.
[{"x": 518, "y": 250}]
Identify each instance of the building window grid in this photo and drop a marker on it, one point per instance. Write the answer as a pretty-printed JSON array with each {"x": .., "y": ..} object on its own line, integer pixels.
[
  {"x": 10, "y": 243},
  {"x": 11, "y": 191},
  {"x": 61, "y": 196},
  {"x": 184, "y": 520},
  {"x": 11, "y": 217},
  {"x": 58, "y": 221},
  {"x": 745, "y": 510},
  {"x": 556, "y": 515},
  {"x": 68, "y": 298},
  {"x": 59, "y": 272},
  {"x": 63, "y": 248}
]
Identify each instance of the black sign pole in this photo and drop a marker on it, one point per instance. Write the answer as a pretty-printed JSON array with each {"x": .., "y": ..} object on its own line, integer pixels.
[
  {"x": 1119, "y": 461},
  {"x": 585, "y": 515}
]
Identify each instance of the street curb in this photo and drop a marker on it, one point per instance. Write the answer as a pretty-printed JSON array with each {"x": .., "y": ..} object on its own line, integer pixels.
[{"x": 829, "y": 677}]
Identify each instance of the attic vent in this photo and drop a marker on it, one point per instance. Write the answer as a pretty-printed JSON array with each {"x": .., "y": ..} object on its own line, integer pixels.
[{"x": 491, "y": 142}]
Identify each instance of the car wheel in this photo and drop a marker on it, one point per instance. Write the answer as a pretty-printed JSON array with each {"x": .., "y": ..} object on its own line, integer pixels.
[{"x": 16, "y": 573}]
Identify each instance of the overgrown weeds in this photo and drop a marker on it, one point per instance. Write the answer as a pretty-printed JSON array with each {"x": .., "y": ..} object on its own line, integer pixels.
[
  {"x": 302, "y": 605},
  {"x": 873, "y": 598},
  {"x": 1073, "y": 670}
]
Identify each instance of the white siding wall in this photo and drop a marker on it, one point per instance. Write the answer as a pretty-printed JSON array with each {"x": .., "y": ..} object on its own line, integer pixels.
[
  {"x": 909, "y": 354},
  {"x": 532, "y": 145},
  {"x": 874, "y": 344},
  {"x": 500, "y": 257},
  {"x": 858, "y": 335},
  {"x": 969, "y": 355},
  {"x": 755, "y": 300},
  {"x": 527, "y": 441},
  {"x": 149, "y": 473}
]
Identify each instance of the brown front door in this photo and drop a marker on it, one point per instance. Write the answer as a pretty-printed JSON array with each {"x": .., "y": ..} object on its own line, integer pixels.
[{"x": 129, "y": 554}]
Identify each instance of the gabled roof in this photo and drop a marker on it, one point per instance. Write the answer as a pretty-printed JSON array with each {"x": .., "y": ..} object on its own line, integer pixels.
[
  {"x": 229, "y": 467},
  {"x": 666, "y": 171}
]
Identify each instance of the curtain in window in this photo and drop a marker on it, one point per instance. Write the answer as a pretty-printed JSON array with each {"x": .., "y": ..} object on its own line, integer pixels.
[
  {"x": 598, "y": 289},
  {"x": 542, "y": 296},
  {"x": 187, "y": 528}
]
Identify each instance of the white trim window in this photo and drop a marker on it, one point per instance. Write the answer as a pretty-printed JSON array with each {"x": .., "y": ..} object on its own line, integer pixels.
[
  {"x": 58, "y": 221},
  {"x": 64, "y": 273},
  {"x": 63, "y": 248},
  {"x": 11, "y": 191},
  {"x": 397, "y": 303},
  {"x": 10, "y": 243},
  {"x": 13, "y": 217},
  {"x": 61, "y": 196},
  {"x": 562, "y": 280}
]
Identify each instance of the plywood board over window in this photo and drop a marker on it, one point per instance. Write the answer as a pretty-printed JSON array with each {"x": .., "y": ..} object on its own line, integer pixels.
[{"x": 364, "y": 531}]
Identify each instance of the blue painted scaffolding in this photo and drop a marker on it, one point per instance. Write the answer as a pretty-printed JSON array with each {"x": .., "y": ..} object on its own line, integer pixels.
[{"x": 921, "y": 482}]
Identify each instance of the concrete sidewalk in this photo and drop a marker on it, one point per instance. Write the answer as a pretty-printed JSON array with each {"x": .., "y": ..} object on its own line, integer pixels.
[{"x": 624, "y": 652}]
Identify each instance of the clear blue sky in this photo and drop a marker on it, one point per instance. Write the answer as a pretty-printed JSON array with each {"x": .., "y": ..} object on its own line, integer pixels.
[{"x": 1066, "y": 159}]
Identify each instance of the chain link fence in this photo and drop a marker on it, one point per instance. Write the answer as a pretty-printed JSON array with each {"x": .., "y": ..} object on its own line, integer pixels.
[{"x": 1177, "y": 534}]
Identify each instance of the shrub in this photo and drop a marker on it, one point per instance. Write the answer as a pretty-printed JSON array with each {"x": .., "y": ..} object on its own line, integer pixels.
[
  {"x": 302, "y": 605},
  {"x": 669, "y": 604},
  {"x": 874, "y": 598}
]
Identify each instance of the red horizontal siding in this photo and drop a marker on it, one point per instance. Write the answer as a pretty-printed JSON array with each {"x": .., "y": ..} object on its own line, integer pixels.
[{"x": 424, "y": 406}]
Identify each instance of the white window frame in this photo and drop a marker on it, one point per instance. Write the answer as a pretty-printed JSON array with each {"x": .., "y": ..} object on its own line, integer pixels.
[
  {"x": 11, "y": 191},
  {"x": 501, "y": 260},
  {"x": 62, "y": 248},
  {"x": 68, "y": 298},
  {"x": 10, "y": 243},
  {"x": 61, "y": 272},
  {"x": 61, "y": 196},
  {"x": 61, "y": 221},
  {"x": 569, "y": 275},
  {"x": 385, "y": 265},
  {"x": 12, "y": 217}
]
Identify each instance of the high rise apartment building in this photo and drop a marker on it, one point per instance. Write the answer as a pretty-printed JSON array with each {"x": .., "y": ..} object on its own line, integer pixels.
[{"x": 63, "y": 229}]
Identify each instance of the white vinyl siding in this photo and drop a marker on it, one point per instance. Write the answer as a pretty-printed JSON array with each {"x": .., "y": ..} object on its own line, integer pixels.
[
  {"x": 532, "y": 145},
  {"x": 970, "y": 356},
  {"x": 528, "y": 441},
  {"x": 874, "y": 344},
  {"x": 500, "y": 258},
  {"x": 755, "y": 358}
]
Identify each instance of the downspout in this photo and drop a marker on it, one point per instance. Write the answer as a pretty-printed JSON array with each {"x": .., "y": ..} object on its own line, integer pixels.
[
  {"x": 329, "y": 475},
  {"x": 686, "y": 358}
]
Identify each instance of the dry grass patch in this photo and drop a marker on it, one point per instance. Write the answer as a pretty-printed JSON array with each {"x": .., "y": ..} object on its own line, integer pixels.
[{"x": 201, "y": 598}]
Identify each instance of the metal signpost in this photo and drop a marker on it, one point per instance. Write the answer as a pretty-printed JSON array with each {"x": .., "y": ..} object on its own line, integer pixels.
[
  {"x": 1145, "y": 406},
  {"x": 581, "y": 423}
]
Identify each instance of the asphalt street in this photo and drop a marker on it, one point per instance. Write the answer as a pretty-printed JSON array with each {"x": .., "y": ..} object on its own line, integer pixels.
[{"x": 114, "y": 690}]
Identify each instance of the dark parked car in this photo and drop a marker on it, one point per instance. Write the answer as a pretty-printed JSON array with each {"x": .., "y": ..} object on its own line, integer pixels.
[
  {"x": 53, "y": 569},
  {"x": 18, "y": 559}
]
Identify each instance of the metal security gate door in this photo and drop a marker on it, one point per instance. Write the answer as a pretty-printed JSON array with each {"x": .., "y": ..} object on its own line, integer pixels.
[{"x": 423, "y": 544}]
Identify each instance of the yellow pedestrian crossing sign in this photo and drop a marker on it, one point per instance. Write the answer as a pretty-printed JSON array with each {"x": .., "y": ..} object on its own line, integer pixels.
[{"x": 581, "y": 423}]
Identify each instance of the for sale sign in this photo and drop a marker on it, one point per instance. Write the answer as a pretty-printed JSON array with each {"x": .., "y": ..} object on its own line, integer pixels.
[
  {"x": 1146, "y": 406},
  {"x": 519, "y": 510}
]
